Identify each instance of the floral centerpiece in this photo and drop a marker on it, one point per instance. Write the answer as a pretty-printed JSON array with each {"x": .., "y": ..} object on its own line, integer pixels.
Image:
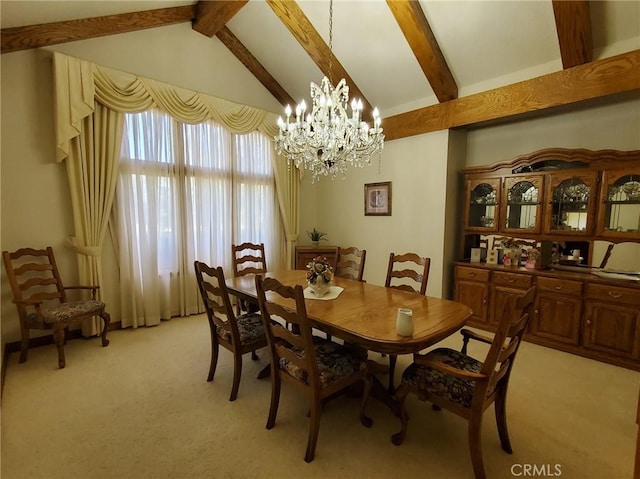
[{"x": 319, "y": 275}]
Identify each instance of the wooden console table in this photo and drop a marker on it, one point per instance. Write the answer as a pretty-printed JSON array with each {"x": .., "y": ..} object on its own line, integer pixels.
[{"x": 304, "y": 254}]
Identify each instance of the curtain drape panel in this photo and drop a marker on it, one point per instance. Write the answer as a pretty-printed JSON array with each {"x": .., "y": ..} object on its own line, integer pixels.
[
  {"x": 93, "y": 176},
  {"x": 88, "y": 137}
]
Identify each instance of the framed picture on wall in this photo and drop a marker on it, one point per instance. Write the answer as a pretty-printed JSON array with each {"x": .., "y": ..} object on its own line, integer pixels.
[{"x": 377, "y": 199}]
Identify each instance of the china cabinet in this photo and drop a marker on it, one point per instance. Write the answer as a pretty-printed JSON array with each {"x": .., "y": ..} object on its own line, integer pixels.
[
  {"x": 561, "y": 200},
  {"x": 521, "y": 210},
  {"x": 571, "y": 203},
  {"x": 619, "y": 212},
  {"x": 482, "y": 204}
]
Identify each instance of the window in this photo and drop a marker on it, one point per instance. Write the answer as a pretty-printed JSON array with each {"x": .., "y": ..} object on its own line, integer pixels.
[{"x": 187, "y": 192}]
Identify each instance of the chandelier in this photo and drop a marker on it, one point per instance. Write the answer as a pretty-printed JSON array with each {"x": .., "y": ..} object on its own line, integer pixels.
[{"x": 327, "y": 141}]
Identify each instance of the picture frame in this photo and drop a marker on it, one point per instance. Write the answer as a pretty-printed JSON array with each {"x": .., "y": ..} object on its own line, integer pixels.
[{"x": 377, "y": 199}]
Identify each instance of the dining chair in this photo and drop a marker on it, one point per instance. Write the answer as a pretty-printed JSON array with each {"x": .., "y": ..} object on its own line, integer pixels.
[
  {"x": 248, "y": 258},
  {"x": 316, "y": 366},
  {"x": 465, "y": 386},
  {"x": 239, "y": 334},
  {"x": 41, "y": 298},
  {"x": 350, "y": 263},
  {"x": 407, "y": 268}
]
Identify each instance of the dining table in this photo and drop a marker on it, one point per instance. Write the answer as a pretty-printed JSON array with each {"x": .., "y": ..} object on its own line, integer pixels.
[{"x": 365, "y": 314}]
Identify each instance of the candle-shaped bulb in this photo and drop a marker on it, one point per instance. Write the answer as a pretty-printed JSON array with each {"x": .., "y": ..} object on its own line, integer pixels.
[{"x": 287, "y": 111}]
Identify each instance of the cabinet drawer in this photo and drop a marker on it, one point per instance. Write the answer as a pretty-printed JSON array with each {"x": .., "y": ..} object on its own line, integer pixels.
[
  {"x": 562, "y": 286},
  {"x": 613, "y": 294},
  {"x": 472, "y": 274},
  {"x": 512, "y": 280}
]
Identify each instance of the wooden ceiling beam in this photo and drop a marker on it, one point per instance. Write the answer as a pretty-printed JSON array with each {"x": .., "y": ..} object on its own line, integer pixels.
[
  {"x": 255, "y": 67},
  {"x": 212, "y": 16},
  {"x": 601, "y": 78},
  {"x": 415, "y": 27},
  {"x": 292, "y": 16},
  {"x": 34, "y": 36},
  {"x": 573, "y": 24}
]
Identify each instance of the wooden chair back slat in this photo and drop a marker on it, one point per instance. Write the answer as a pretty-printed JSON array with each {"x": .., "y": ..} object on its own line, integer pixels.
[
  {"x": 30, "y": 283},
  {"x": 419, "y": 275},
  {"x": 248, "y": 258},
  {"x": 32, "y": 267},
  {"x": 32, "y": 273},
  {"x": 350, "y": 263}
]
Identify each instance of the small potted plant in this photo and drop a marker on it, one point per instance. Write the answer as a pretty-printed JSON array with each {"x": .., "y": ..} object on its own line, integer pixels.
[{"x": 316, "y": 236}]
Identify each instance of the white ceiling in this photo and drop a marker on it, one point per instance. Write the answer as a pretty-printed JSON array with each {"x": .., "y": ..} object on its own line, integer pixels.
[{"x": 486, "y": 44}]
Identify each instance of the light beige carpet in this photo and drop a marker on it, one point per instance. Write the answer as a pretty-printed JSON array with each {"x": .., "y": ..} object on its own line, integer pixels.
[{"x": 141, "y": 408}]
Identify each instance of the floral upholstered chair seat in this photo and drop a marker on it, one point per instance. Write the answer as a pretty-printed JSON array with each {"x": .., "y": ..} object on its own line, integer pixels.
[
  {"x": 66, "y": 311},
  {"x": 250, "y": 328},
  {"x": 335, "y": 361},
  {"x": 428, "y": 380}
]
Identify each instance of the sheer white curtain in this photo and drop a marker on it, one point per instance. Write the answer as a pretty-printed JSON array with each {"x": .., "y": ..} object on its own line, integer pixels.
[{"x": 187, "y": 192}]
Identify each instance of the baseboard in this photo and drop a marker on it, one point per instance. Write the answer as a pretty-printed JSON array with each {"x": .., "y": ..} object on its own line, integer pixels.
[{"x": 46, "y": 340}]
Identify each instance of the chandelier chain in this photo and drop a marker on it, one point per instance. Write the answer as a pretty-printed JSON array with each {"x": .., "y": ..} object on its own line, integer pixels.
[{"x": 331, "y": 41}]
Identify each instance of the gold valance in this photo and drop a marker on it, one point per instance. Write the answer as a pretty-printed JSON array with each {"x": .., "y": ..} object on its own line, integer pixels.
[{"x": 79, "y": 83}]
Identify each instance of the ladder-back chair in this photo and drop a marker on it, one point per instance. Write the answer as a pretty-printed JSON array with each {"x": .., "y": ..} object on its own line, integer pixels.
[
  {"x": 41, "y": 298},
  {"x": 239, "y": 334},
  {"x": 318, "y": 367},
  {"x": 467, "y": 387}
]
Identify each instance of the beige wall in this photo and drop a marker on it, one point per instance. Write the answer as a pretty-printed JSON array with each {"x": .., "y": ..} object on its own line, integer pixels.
[
  {"x": 35, "y": 206},
  {"x": 612, "y": 123},
  {"x": 417, "y": 168}
]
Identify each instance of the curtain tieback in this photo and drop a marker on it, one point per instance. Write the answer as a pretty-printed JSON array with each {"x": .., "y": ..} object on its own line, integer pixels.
[{"x": 85, "y": 250}]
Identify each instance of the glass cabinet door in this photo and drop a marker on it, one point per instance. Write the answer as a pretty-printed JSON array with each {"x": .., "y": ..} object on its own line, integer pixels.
[
  {"x": 619, "y": 213},
  {"x": 570, "y": 204},
  {"x": 522, "y": 204},
  {"x": 482, "y": 204}
]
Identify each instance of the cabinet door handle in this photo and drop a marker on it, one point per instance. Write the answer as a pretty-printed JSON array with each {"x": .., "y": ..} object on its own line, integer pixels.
[
  {"x": 615, "y": 294},
  {"x": 472, "y": 275},
  {"x": 558, "y": 288},
  {"x": 511, "y": 280},
  {"x": 589, "y": 322}
]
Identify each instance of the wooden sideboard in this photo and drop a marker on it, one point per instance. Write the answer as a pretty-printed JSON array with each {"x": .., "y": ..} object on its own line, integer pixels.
[
  {"x": 574, "y": 312},
  {"x": 304, "y": 254}
]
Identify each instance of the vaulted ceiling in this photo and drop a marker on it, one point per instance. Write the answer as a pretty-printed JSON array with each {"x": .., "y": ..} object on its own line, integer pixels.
[{"x": 427, "y": 65}]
